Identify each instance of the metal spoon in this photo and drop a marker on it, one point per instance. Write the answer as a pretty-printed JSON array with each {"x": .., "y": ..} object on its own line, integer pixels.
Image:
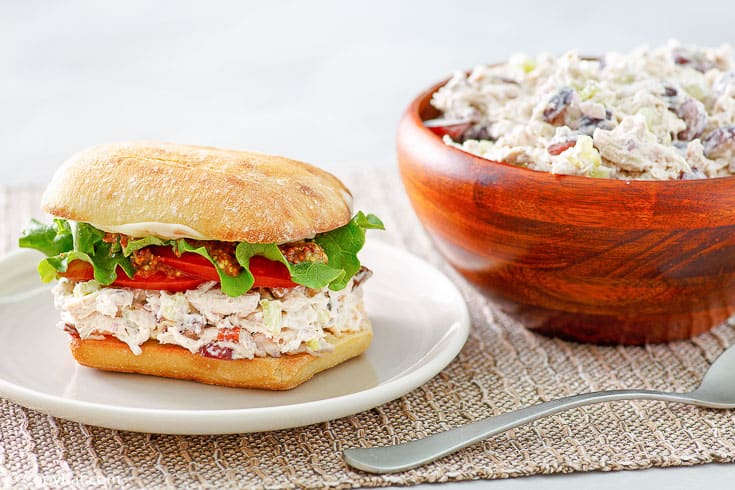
[{"x": 717, "y": 390}]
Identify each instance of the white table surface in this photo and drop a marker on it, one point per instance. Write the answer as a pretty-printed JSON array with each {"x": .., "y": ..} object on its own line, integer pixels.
[{"x": 322, "y": 81}]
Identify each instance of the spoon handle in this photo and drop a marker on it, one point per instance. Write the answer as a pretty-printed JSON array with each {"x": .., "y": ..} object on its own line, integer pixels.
[{"x": 390, "y": 459}]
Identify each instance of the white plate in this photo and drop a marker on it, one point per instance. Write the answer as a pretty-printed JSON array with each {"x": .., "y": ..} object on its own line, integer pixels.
[{"x": 419, "y": 319}]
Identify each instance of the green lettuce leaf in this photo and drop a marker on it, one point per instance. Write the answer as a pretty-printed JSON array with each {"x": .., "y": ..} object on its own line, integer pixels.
[
  {"x": 313, "y": 275},
  {"x": 49, "y": 239},
  {"x": 86, "y": 237},
  {"x": 86, "y": 243},
  {"x": 231, "y": 286},
  {"x": 343, "y": 244},
  {"x": 270, "y": 251},
  {"x": 134, "y": 245},
  {"x": 50, "y": 266},
  {"x": 105, "y": 263},
  {"x": 89, "y": 240}
]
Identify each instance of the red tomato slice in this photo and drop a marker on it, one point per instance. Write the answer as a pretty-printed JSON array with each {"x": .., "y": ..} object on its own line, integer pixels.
[
  {"x": 159, "y": 281},
  {"x": 267, "y": 273},
  {"x": 190, "y": 263},
  {"x": 79, "y": 270},
  {"x": 270, "y": 274}
]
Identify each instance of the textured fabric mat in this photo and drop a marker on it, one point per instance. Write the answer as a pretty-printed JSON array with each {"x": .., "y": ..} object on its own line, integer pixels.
[{"x": 502, "y": 367}]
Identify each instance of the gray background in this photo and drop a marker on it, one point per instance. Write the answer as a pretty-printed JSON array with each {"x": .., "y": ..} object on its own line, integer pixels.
[{"x": 321, "y": 81}]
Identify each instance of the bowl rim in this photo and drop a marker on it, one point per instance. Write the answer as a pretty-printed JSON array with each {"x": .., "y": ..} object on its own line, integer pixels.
[{"x": 423, "y": 99}]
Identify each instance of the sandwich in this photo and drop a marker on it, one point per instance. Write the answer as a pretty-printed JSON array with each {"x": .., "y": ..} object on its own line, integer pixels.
[{"x": 224, "y": 267}]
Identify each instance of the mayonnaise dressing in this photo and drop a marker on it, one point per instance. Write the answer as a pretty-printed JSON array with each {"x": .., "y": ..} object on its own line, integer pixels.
[{"x": 167, "y": 231}]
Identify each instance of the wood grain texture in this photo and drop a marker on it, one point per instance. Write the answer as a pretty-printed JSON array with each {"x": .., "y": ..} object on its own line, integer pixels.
[{"x": 592, "y": 260}]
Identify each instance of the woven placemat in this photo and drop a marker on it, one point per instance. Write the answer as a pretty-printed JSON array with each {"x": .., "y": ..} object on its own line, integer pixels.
[{"x": 501, "y": 368}]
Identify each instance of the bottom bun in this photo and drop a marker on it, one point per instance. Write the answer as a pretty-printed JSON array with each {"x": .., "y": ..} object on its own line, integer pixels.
[{"x": 172, "y": 361}]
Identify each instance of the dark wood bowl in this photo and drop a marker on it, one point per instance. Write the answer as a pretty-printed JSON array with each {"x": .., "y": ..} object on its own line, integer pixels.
[{"x": 592, "y": 260}]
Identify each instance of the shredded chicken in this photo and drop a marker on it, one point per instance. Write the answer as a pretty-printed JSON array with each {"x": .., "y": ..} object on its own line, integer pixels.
[{"x": 262, "y": 322}]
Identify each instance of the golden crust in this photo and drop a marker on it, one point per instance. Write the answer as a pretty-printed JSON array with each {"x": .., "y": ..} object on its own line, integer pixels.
[
  {"x": 221, "y": 194},
  {"x": 172, "y": 361}
]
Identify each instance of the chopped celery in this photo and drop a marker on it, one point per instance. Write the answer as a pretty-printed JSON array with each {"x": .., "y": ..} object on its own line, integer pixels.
[
  {"x": 85, "y": 288},
  {"x": 583, "y": 154},
  {"x": 272, "y": 315}
]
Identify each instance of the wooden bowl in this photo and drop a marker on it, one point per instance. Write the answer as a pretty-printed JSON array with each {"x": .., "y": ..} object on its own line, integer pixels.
[{"x": 592, "y": 260}]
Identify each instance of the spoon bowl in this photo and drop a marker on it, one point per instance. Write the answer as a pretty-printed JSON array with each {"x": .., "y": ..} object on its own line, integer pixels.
[{"x": 717, "y": 388}]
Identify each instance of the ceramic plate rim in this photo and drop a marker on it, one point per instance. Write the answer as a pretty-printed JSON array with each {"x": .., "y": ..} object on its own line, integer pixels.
[{"x": 327, "y": 408}]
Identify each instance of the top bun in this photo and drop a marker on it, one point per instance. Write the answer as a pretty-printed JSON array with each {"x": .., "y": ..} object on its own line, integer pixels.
[{"x": 183, "y": 191}]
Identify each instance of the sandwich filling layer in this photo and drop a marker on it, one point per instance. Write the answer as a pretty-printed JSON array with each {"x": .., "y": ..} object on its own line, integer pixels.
[{"x": 262, "y": 322}]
